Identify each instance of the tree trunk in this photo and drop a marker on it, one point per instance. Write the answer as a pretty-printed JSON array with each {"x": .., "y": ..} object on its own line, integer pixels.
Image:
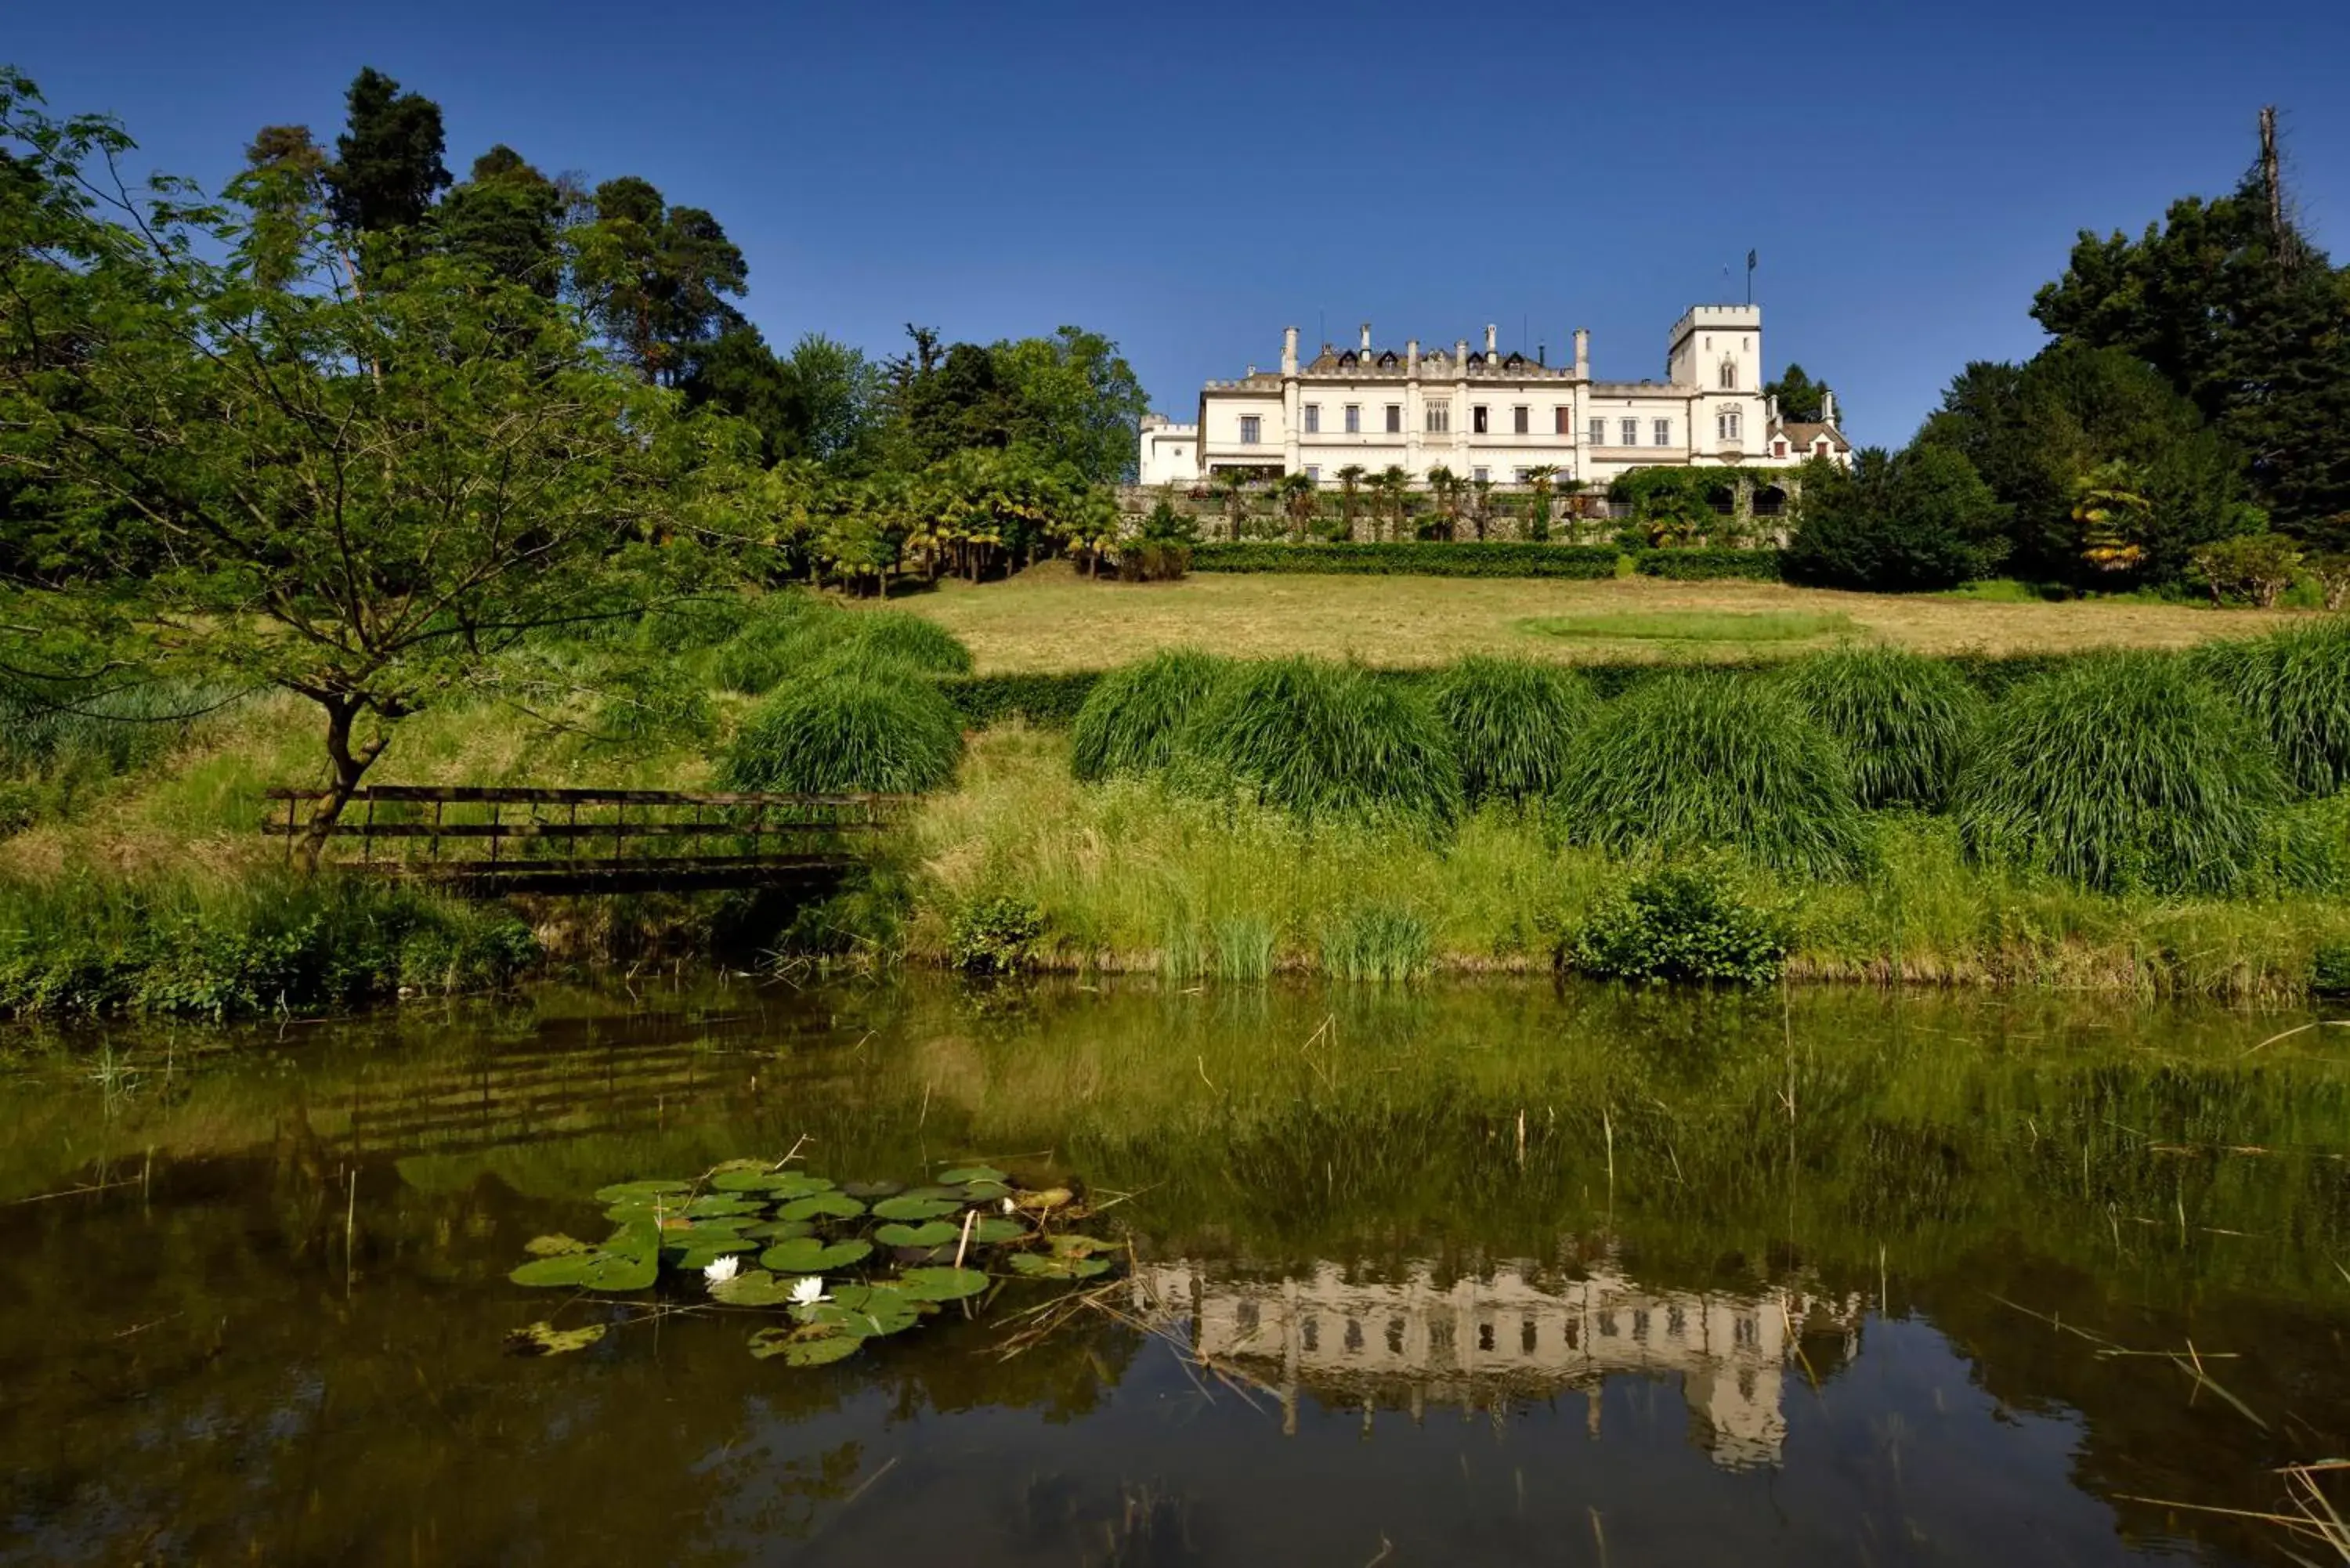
[{"x": 349, "y": 766}]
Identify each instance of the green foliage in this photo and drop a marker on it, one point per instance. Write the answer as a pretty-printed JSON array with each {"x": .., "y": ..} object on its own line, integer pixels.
[
  {"x": 1474, "y": 558},
  {"x": 1701, "y": 563},
  {"x": 1672, "y": 504},
  {"x": 2255, "y": 566},
  {"x": 387, "y": 167},
  {"x": 1514, "y": 721},
  {"x": 1379, "y": 943},
  {"x": 2296, "y": 685},
  {"x": 1802, "y": 400},
  {"x": 1132, "y": 715},
  {"x": 1922, "y": 519},
  {"x": 1903, "y": 719},
  {"x": 1048, "y": 700},
  {"x": 2126, "y": 772},
  {"x": 2330, "y": 971},
  {"x": 1691, "y": 626},
  {"x": 58, "y": 744},
  {"x": 1321, "y": 738},
  {"x": 1685, "y": 761},
  {"x": 90, "y": 948},
  {"x": 995, "y": 936},
  {"x": 1680, "y": 923},
  {"x": 793, "y": 636},
  {"x": 851, "y": 734}
]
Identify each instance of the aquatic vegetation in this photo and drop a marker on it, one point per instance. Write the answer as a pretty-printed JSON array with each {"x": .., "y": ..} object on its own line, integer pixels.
[
  {"x": 1133, "y": 715},
  {"x": 851, "y": 735},
  {"x": 2128, "y": 772},
  {"x": 1903, "y": 719},
  {"x": 920, "y": 1246},
  {"x": 1686, "y": 761},
  {"x": 1681, "y": 923},
  {"x": 996, "y": 936},
  {"x": 1512, "y": 722}
]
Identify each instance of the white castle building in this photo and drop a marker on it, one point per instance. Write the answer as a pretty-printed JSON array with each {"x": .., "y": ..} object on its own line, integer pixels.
[
  {"x": 1486, "y": 415},
  {"x": 1477, "y": 1344}
]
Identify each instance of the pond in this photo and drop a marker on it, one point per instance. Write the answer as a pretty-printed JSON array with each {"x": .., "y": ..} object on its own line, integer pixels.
[{"x": 1489, "y": 1274}]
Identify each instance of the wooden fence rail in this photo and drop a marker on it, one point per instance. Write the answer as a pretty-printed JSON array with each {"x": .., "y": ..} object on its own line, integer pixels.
[{"x": 502, "y": 838}]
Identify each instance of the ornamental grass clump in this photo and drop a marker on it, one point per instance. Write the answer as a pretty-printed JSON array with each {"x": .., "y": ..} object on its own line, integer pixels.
[
  {"x": 795, "y": 636},
  {"x": 1512, "y": 722},
  {"x": 846, "y": 735},
  {"x": 2127, "y": 772},
  {"x": 2295, "y": 683},
  {"x": 1904, "y": 721},
  {"x": 1323, "y": 739},
  {"x": 1132, "y": 716},
  {"x": 1695, "y": 762}
]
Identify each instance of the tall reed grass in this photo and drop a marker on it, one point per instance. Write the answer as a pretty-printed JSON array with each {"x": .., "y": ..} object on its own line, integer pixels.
[
  {"x": 1904, "y": 721},
  {"x": 1323, "y": 740},
  {"x": 2127, "y": 772},
  {"x": 849, "y": 735},
  {"x": 792, "y": 636},
  {"x": 1685, "y": 763},
  {"x": 2296, "y": 685},
  {"x": 1133, "y": 715},
  {"x": 1514, "y": 721}
]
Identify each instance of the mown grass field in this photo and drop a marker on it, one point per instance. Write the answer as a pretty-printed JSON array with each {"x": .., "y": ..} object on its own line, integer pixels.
[{"x": 1050, "y": 618}]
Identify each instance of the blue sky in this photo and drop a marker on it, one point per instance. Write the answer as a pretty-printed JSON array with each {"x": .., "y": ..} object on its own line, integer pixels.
[{"x": 1191, "y": 179}]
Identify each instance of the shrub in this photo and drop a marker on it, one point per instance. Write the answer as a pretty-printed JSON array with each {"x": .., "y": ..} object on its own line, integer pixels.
[
  {"x": 2255, "y": 566},
  {"x": 909, "y": 640},
  {"x": 1513, "y": 721},
  {"x": 995, "y": 936},
  {"x": 1133, "y": 715},
  {"x": 2295, "y": 683},
  {"x": 1049, "y": 699},
  {"x": 1920, "y": 519},
  {"x": 795, "y": 636},
  {"x": 1709, "y": 564},
  {"x": 1902, "y": 720},
  {"x": 2124, "y": 772},
  {"x": 1686, "y": 760},
  {"x": 1323, "y": 738},
  {"x": 846, "y": 735},
  {"x": 1681, "y": 923}
]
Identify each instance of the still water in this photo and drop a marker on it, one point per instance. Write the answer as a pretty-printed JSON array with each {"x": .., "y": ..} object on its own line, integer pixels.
[{"x": 1500, "y": 1274}]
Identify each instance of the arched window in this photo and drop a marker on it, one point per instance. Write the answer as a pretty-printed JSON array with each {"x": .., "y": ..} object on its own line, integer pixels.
[{"x": 1729, "y": 375}]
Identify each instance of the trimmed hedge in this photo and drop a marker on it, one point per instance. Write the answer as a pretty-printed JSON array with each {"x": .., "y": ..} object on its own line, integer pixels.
[
  {"x": 1050, "y": 700},
  {"x": 1495, "y": 559}
]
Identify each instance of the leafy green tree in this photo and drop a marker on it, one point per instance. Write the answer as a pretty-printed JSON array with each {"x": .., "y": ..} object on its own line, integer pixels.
[
  {"x": 1077, "y": 402},
  {"x": 367, "y": 500},
  {"x": 1394, "y": 487},
  {"x": 1350, "y": 487},
  {"x": 2256, "y": 567},
  {"x": 1539, "y": 480},
  {"x": 1298, "y": 501},
  {"x": 1444, "y": 486},
  {"x": 1921, "y": 519},
  {"x": 387, "y": 169},
  {"x": 658, "y": 279},
  {"x": 2240, "y": 313},
  {"x": 286, "y": 187},
  {"x": 838, "y": 392},
  {"x": 507, "y": 220},
  {"x": 1800, "y": 397},
  {"x": 736, "y": 373}
]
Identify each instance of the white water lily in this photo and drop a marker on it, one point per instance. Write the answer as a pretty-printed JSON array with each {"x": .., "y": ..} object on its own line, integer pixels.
[
  {"x": 1008, "y": 1206},
  {"x": 809, "y": 1291},
  {"x": 722, "y": 1271}
]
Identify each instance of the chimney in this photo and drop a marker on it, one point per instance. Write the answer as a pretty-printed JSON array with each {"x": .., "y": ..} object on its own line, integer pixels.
[
  {"x": 1367, "y": 336},
  {"x": 1289, "y": 351},
  {"x": 1582, "y": 354},
  {"x": 1461, "y": 355},
  {"x": 1488, "y": 341},
  {"x": 1827, "y": 408},
  {"x": 1771, "y": 409},
  {"x": 1542, "y": 355},
  {"x": 1411, "y": 358}
]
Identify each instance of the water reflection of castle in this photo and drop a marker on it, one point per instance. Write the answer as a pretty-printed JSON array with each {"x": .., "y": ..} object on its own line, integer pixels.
[{"x": 1478, "y": 1342}]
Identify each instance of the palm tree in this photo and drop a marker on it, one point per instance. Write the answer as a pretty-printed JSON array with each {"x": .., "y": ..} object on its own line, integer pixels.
[
  {"x": 1538, "y": 480},
  {"x": 1297, "y": 500},
  {"x": 1481, "y": 508},
  {"x": 2112, "y": 510},
  {"x": 1236, "y": 482},
  {"x": 1350, "y": 479},
  {"x": 1445, "y": 485},
  {"x": 1394, "y": 489}
]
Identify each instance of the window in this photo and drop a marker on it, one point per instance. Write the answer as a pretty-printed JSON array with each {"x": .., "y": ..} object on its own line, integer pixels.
[
  {"x": 1518, "y": 424},
  {"x": 1394, "y": 419},
  {"x": 1778, "y": 449},
  {"x": 1480, "y": 475},
  {"x": 1314, "y": 474},
  {"x": 1354, "y": 419},
  {"x": 1312, "y": 418},
  {"x": 1559, "y": 417},
  {"x": 1629, "y": 429},
  {"x": 1661, "y": 433},
  {"x": 1439, "y": 418},
  {"x": 1477, "y": 421},
  {"x": 1598, "y": 433},
  {"x": 1520, "y": 475},
  {"x": 1729, "y": 375},
  {"x": 1252, "y": 430},
  {"x": 1729, "y": 424}
]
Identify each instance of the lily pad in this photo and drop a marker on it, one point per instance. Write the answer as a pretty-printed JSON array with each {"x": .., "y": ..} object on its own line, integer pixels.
[
  {"x": 1072, "y": 1245},
  {"x": 907, "y": 1207},
  {"x": 754, "y": 1288},
  {"x": 596, "y": 1271},
  {"x": 719, "y": 1204},
  {"x": 641, "y": 1191},
  {"x": 832, "y": 1205},
  {"x": 873, "y": 1189},
  {"x": 754, "y": 1178},
  {"x": 985, "y": 1191},
  {"x": 941, "y": 1284},
  {"x": 797, "y": 1347},
  {"x": 1037, "y": 1265},
  {"x": 930, "y": 1233},
  {"x": 1051, "y": 1198},
  {"x": 792, "y": 1184},
  {"x": 875, "y": 1312},
  {"x": 545, "y": 1339},
  {"x": 701, "y": 1254},
  {"x": 555, "y": 1247},
  {"x": 964, "y": 1173},
  {"x": 779, "y": 1230},
  {"x": 812, "y": 1255},
  {"x": 936, "y": 1192},
  {"x": 995, "y": 1230}
]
